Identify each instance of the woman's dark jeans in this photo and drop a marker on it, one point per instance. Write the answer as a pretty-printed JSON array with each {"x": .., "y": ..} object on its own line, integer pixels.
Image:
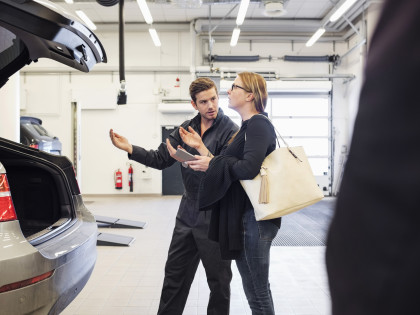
[{"x": 254, "y": 263}]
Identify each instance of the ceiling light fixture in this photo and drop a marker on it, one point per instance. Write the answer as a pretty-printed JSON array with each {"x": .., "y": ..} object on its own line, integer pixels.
[
  {"x": 86, "y": 19},
  {"x": 235, "y": 36},
  {"x": 334, "y": 17},
  {"x": 239, "y": 20},
  {"x": 145, "y": 11},
  {"x": 68, "y": 1},
  {"x": 341, "y": 10},
  {"x": 315, "y": 37},
  {"x": 155, "y": 37},
  {"x": 242, "y": 12}
]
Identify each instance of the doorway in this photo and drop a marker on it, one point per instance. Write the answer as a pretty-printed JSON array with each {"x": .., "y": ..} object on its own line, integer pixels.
[{"x": 171, "y": 177}]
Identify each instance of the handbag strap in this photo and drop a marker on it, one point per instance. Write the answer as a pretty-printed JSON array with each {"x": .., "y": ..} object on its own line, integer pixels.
[
  {"x": 277, "y": 132},
  {"x": 277, "y": 138}
]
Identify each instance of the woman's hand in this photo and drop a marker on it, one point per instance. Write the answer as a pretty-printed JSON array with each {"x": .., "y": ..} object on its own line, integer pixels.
[
  {"x": 201, "y": 164},
  {"x": 120, "y": 142}
]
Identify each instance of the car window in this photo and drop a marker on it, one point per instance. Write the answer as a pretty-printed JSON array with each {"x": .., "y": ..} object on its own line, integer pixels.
[
  {"x": 37, "y": 129},
  {"x": 42, "y": 131}
]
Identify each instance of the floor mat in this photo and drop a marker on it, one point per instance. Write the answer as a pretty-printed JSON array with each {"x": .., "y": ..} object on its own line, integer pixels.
[{"x": 307, "y": 227}]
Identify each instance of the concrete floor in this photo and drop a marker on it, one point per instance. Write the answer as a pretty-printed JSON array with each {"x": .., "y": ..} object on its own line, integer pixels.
[{"x": 128, "y": 280}]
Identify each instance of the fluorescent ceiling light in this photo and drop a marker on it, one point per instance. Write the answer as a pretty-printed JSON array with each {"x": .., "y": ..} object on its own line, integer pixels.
[
  {"x": 85, "y": 19},
  {"x": 315, "y": 37},
  {"x": 145, "y": 11},
  {"x": 242, "y": 12},
  {"x": 340, "y": 11},
  {"x": 235, "y": 36},
  {"x": 68, "y": 1},
  {"x": 155, "y": 37}
]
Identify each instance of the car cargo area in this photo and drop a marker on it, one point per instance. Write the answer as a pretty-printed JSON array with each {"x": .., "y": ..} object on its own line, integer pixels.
[{"x": 39, "y": 195}]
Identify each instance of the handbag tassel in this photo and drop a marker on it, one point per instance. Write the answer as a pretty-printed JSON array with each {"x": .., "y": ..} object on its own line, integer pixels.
[{"x": 263, "y": 198}]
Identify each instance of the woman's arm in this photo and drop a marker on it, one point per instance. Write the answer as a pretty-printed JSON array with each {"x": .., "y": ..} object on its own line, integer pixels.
[{"x": 259, "y": 138}]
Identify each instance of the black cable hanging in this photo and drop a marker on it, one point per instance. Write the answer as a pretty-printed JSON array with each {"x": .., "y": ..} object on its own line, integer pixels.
[{"x": 122, "y": 96}]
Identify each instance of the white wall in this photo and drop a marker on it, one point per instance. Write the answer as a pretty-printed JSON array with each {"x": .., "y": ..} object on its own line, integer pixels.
[
  {"x": 49, "y": 97},
  {"x": 346, "y": 93},
  {"x": 9, "y": 118},
  {"x": 150, "y": 74}
]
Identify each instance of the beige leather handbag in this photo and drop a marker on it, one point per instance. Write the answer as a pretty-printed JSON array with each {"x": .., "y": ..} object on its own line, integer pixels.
[{"x": 284, "y": 185}]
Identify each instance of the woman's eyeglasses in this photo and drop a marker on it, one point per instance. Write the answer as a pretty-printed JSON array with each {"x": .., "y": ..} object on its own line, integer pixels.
[{"x": 238, "y": 86}]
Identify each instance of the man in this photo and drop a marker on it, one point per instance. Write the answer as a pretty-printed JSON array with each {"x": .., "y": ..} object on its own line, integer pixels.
[
  {"x": 373, "y": 249},
  {"x": 190, "y": 242}
]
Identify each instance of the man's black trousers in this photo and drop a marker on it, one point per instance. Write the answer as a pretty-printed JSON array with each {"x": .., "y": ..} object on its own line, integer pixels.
[{"x": 189, "y": 245}]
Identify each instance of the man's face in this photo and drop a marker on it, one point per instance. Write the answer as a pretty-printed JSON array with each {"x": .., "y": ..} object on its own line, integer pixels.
[{"x": 207, "y": 103}]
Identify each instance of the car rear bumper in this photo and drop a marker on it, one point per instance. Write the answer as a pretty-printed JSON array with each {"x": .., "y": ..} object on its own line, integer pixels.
[{"x": 72, "y": 265}]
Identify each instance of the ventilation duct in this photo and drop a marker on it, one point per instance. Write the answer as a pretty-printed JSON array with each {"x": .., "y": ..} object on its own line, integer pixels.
[
  {"x": 187, "y": 4},
  {"x": 274, "y": 9},
  {"x": 332, "y": 58},
  {"x": 234, "y": 58}
]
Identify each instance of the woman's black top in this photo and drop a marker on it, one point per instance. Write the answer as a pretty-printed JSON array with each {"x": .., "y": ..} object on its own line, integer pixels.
[{"x": 221, "y": 190}]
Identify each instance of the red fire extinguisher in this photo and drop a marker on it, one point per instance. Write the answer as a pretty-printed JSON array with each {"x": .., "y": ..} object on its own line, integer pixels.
[
  {"x": 130, "y": 178},
  {"x": 118, "y": 179}
]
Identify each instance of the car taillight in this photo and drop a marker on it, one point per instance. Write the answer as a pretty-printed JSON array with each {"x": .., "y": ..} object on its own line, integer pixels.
[
  {"x": 34, "y": 145},
  {"x": 7, "y": 210},
  {"x": 25, "y": 283}
]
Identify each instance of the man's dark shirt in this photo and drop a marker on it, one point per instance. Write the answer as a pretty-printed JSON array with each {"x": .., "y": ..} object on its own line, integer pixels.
[{"x": 215, "y": 139}]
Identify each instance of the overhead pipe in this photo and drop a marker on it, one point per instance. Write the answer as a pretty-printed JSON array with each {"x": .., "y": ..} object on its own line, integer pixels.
[
  {"x": 254, "y": 58},
  {"x": 232, "y": 73},
  {"x": 202, "y": 25}
]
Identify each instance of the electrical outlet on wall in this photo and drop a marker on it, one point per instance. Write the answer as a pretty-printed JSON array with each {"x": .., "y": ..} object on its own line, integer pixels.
[{"x": 145, "y": 172}]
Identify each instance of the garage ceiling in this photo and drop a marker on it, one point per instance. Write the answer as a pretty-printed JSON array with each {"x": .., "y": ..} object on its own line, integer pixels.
[{"x": 301, "y": 19}]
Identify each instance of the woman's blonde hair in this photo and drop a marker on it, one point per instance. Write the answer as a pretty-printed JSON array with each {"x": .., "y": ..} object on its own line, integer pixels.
[{"x": 255, "y": 84}]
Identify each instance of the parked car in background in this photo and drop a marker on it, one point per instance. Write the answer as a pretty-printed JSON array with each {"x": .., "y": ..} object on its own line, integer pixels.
[
  {"x": 47, "y": 235},
  {"x": 33, "y": 134}
]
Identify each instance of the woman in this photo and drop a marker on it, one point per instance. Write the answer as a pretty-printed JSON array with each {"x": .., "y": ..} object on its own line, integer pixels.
[{"x": 233, "y": 222}]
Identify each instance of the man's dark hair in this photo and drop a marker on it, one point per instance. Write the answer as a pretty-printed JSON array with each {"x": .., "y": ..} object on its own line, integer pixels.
[{"x": 200, "y": 85}]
